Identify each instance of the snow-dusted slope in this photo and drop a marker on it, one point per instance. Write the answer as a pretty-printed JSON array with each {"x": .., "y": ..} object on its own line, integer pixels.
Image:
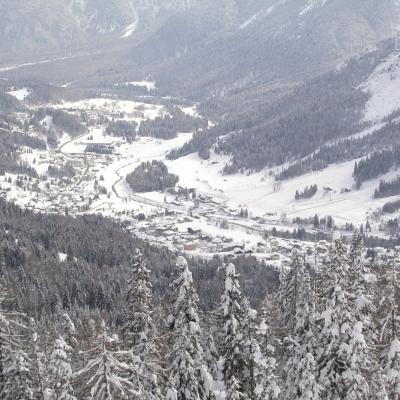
[{"x": 384, "y": 88}]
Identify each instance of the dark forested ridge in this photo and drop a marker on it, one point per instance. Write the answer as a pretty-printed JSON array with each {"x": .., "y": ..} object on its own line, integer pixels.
[
  {"x": 310, "y": 125},
  {"x": 96, "y": 248}
]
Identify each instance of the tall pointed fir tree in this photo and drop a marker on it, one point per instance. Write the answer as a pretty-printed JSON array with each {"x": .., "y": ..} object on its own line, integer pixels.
[
  {"x": 139, "y": 330},
  {"x": 15, "y": 361},
  {"x": 392, "y": 370},
  {"x": 363, "y": 335},
  {"x": 357, "y": 386},
  {"x": 211, "y": 357},
  {"x": 301, "y": 372},
  {"x": 259, "y": 379},
  {"x": 337, "y": 324},
  {"x": 289, "y": 292},
  {"x": 388, "y": 295},
  {"x": 233, "y": 335},
  {"x": 60, "y": 373},
  {"x": 38, "y": 368},
  {"x": 266, "y": 377},
  {"x": 4, "y": 342},
  {"x": 186, "y": 372},
  {"x": 107, "y": 376}
]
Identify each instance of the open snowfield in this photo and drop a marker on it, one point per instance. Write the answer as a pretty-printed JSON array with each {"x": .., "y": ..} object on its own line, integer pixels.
[
  {"x": 384, "y": 87},
  {"x": 20, "y": 94},
  {"x": 256, "y": 192}
]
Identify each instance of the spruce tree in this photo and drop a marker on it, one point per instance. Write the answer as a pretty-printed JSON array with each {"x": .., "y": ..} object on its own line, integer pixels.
[
  {"x": 107, "y": 375},
  {"x": 60, "y": 372},
  {"x": 186, "y": 356},
  {"x": 15, "y": 361},
  {"x": 359, "y": 363},
  {"x": 337, "y": 323},
  {"x": 233, "y": 339},
  {"x": 301, "y": 378},
  {"x": 211, "y": 357},
  {"x": 289, "y": 294},
  {"x": 139, "y": 330},
  {"x": 38, "y": 369},
  {"x": 392, "y": 370}
]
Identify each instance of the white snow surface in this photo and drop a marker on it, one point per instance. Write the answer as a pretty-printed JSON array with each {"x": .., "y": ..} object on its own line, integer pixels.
[
  {"x": 20, "y": 94},
  {"x": 384, "y": 88},
  {"x": 256, "y": 191}
]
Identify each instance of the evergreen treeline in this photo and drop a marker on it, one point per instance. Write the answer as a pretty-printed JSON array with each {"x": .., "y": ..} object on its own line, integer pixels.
[
  {"x": 388, "y": 188},
  {"x": 346, "y": 150},
  {"x": 31, "y": 248},
  {"x": 62, "y": 120},
  {"x": 151, "y": 176},
  {"x": 10, "y": 142},
  {"x": 201, "y": 142},
  {"x": 125, "y": 129},
  {"x": 65, "y": 171},
  {"x": 172, "y": 123},
  {"x": 307, "y": 193},
  {"x": 391, "y": 207},
  {"x": 327, "y": 332},
  {"x": 376, "y": 164}
]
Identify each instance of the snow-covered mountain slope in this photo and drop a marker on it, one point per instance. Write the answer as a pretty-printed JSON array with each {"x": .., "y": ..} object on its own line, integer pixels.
[
  {"x": 384, "y": 88},
  {"x": 51, "y": 24},
  {"x": 273, "y": 41}
]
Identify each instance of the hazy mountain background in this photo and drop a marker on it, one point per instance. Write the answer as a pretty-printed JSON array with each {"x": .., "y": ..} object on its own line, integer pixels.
[
  {"x": 211, "y": 46},
  {"x": 283, "y": 77}
]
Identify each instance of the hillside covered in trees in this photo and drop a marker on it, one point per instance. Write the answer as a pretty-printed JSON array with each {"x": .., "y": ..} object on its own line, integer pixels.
[{"x": 118, "y": 322}]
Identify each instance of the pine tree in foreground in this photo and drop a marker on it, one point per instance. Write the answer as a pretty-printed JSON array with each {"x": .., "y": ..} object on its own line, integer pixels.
[
  {"x": 15, "y": 362},
  {"x": 233, "y": 335},
  {"x": 336, "y": 333},
  {"x": 392, "y": 370},
  {"x": 289, "y": 293},
  {"x": 211, "y": 357},
  {"x": 301, "y": 379},
  {"x": 359, "y": 363},
  {"x": 38, "y": 369},
  {"x": 107, "y": 375},
  {"x": 139, "y": 330},
  {"x": 259, "y": 379},
  {"x": 60, "y": 373},
  {"x": 186, "y": 379}
]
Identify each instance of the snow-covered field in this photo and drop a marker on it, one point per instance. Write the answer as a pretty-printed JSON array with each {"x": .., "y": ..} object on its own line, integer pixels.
[{"x": 20, "y": 94}]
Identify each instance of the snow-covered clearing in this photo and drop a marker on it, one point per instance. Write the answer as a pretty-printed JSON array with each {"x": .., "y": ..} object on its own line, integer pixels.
[
  {"x": 258, "y": 192},
  {"x": 20, "y": 94}
]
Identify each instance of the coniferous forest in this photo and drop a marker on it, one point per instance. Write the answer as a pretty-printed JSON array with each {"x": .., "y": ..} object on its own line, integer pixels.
[{"x": 93, "y": 323}]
